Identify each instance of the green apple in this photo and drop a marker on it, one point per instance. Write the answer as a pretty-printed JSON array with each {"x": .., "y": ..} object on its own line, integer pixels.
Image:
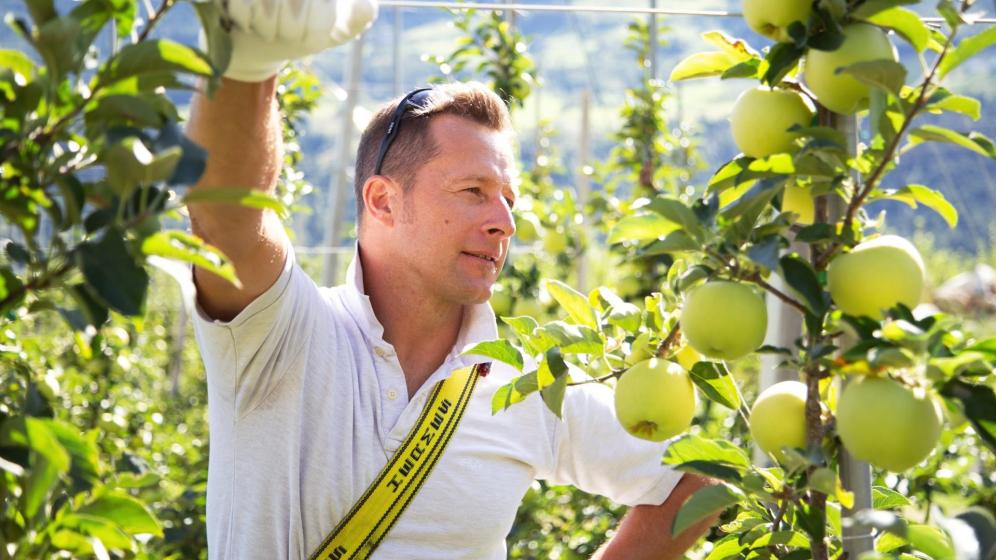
[
  {"x": 724, "y": 320},
  {"x": 886, "y": 423},
  {"x": 762, "y": 117},
  {"x": 527, "y": 227},
  {"x": 655, "y": 400},
  {"x": 771, "y": 18},
  {"x": 843, "y": 92},
  {"x": 778, "y": 418},
  {"x": 555, "y": 241},
  {"x": 799, "y": 199},
  {"x": 501, "y": 300},
  {"x": 877, "y": 275}
]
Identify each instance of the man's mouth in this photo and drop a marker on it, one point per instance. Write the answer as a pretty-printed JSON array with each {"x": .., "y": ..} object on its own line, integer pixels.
[{"x": 483, "y": 256}]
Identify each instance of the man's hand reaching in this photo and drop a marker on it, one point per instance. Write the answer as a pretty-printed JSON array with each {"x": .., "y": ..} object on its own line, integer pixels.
[{"x": 267, "y": 33}]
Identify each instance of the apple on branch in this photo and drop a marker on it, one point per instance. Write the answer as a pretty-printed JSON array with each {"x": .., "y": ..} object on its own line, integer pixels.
[
  {"x": 888, "y": 424},
  {"x": 762, "y": 118},
  {"x": 838, "y": 91},
  {"x": 655, "y": 400},
  {"x": 877, "y": 275},
  {"x": 778, "y": 418},
  {"x": 724, "y": 320},
  {"x": 772, "y": 18}
]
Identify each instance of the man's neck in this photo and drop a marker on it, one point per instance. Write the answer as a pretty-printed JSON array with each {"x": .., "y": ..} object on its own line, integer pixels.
[{"x": 421, "y": 329}]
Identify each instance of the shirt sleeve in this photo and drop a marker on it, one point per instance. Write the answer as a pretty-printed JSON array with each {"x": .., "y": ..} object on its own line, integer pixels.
[
  {"x": 247, "y": 358},
  {"x": 594, "y": 453}
]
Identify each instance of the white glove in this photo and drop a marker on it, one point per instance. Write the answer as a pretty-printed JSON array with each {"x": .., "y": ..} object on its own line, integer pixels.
[{"x": 267, "y": 33}]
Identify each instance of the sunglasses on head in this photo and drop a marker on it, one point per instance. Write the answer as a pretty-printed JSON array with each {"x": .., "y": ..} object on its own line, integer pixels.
[{"x": 414, "y": 100}]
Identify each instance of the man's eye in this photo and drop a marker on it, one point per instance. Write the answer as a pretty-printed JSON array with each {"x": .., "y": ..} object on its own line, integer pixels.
[
  {"x": 510, "y": 201},
  {"x": 473, "y": 190}
]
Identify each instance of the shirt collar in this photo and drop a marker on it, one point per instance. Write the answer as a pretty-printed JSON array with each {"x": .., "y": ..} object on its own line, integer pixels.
[{"x": 479, "y": 322}]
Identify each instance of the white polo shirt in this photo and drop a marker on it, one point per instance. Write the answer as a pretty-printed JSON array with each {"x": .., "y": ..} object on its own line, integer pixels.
[{"x": 307, "y": 402}]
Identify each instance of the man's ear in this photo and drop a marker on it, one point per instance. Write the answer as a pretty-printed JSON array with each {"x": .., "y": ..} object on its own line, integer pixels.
[{"x": 381, "y": 196}]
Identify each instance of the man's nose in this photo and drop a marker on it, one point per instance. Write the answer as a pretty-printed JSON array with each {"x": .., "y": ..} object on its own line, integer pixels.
[{"x": 501, "y": 222}]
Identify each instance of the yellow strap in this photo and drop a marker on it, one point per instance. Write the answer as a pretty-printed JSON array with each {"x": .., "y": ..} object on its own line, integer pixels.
[{"x": 368, "y": 522}]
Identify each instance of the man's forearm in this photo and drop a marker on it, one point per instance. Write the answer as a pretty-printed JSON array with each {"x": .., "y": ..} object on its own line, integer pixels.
[
  {"x": 240, "y": 129},
  {"x": 645, "y": 531}
]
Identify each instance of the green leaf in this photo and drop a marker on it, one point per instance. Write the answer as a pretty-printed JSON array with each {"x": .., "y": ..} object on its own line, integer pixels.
[
  {"x": 112, "y": 273},
  {"x": 514, "y": 392},
  {"x": 986, "y": 346},
  {"x": 968, "y": 106},
  {"x": 677, "y": 212},
  {"x": 126, "y": 512},
  {"x": 84, "y": 468},
  {"x": 694, "y": 448},
  {"x": 967, "y": 48},
  {"x": 130, "y": 164},
  {"x": 801, "y": 277},
  {"x": 243, "y": 197},
  {"x": 932, "y": 541},
  {"x": 553, "y": 395},
  {"x": 765, "y": 253},
  {"x": 793, "y": 539},
  {"x": 58, "y": 43},
  {"x": 643, "y": 226},
  {"x": 704, "y": 503},
  {"x": 979, "y": 403},
  {"x": 571, "y": 339},
  {"x": 904, "y": 22},
  {"x": 717, "y": 384},
  {"x": 886, "y": 75},
  {"x": 574, "y": 303},
  {"x": 182, "y": 246},
  {"x": 501, "y": 350},
  {"x": 913, "y": 194},
  {"x": 781, "y": 59},
  {"x": 703, "y": 65},
  {"x": 219, "y": 42},
  {"x": 17, "y": 62},
  {"x": 887, "y": 498},
  {"x": 974, "y": 141},
  {"x": 730, "y": 45},
  {"x": 677, "y": 242},
  {"x": 154, "y": 56}
]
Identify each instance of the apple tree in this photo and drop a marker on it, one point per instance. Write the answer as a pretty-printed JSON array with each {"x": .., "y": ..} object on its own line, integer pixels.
[
  {"x": 788, "y": 219},
  {"x": 94, "y": 167}
]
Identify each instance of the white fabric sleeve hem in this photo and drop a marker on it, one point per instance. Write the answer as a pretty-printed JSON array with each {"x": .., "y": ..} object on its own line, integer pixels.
[
  {"x": 661, "y": 490},
  {"x": 260, "y": 303}
]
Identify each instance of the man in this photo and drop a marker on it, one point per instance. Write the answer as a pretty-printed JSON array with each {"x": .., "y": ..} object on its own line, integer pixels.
[{"x": 312, "y": 390}]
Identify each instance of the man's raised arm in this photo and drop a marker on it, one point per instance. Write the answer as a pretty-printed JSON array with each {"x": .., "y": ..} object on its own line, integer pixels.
[{"x": 240, "y": 129}]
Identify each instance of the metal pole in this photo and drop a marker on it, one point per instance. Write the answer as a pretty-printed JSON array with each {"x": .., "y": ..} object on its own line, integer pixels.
[
  {"x": 584, "y": 183},
  {"x": 652, "y": 39},
  {"x": 396, "y": 51},
  {"x": 855, "y": 475},
  {"x": 971, "y": 18},
  {"x": 340, "y": 183}
]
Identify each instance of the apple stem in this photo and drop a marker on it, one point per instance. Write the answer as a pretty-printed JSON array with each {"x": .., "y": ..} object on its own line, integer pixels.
[
  {"x": 668, "y": 341},
  {"x": 756, "y": 278}
]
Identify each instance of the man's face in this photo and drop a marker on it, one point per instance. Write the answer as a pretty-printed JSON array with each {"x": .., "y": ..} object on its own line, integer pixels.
[{"x": 456, "y": 223}]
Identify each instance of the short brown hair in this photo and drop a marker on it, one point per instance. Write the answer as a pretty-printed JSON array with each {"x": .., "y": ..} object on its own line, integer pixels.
[{"x": 413, "y": 145}]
